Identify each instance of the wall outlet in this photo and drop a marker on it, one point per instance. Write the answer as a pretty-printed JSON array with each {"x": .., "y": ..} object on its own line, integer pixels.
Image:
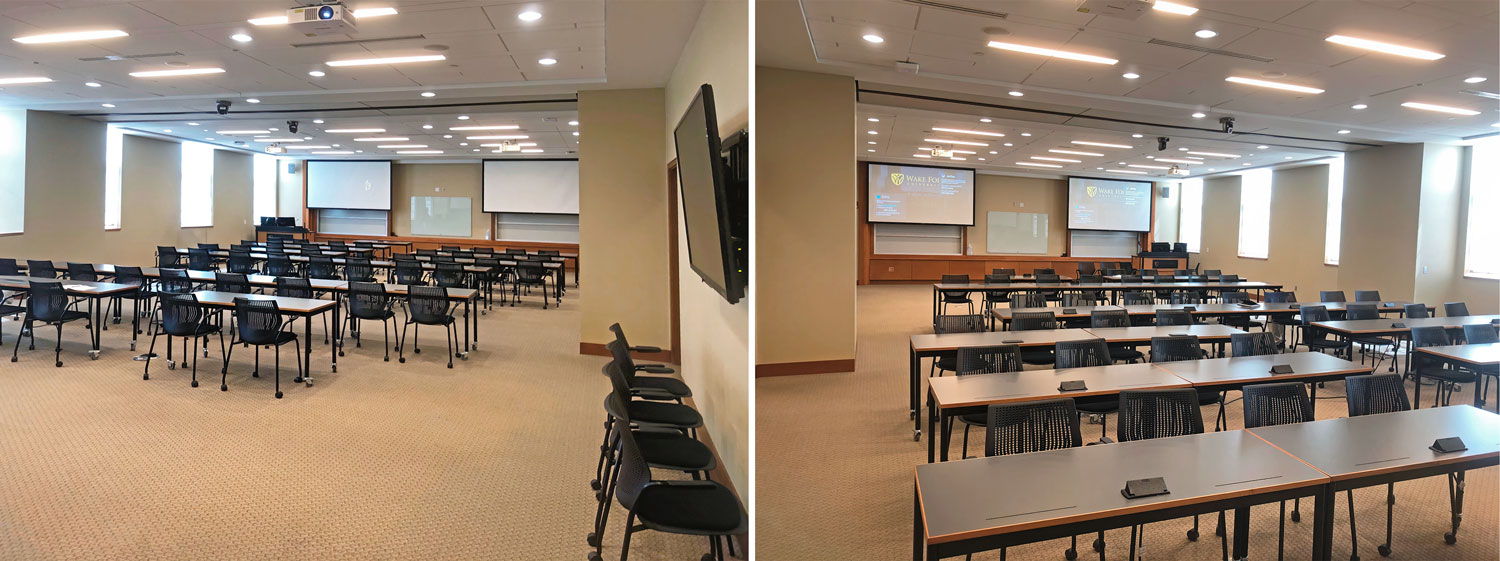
[
  {"x": 1424, "y": 269},
  {"x": 890, "y": 269}
]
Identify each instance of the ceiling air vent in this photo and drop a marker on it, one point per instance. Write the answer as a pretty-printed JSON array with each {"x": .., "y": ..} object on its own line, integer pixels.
[
  {"x": 1483, "y": 94},
  {"x": 1209, "y": 51},
  {"x": 957, "y": 8},
  {"x": 128, "y": 57},
  {"x": 358, "y": 41}
]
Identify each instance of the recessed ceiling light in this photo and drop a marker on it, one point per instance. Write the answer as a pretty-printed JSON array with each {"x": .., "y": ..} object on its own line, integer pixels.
[
  {"x": 531, "y": 151},
  {"x": 869, "y": 149},
  {"x": 1215, "y": 154},
  {"x": 1051, "y": 159},
  {"x": 1122, "y": 163},
  {"x": 546, "y": 61},
  {"x": 1131, "y": 171},
  {"x": 1474, "y": 79},
  {"x": 447, "y": 136},
  {"x": 307, "y": 147},
  {"x": 1199, "y": 115},
  {"x": 1174, "y": 8},
  {"x": 332, "y": 152},
  {"x": 107, "y": 104},
  {"x": 476, "y": 150},
  {"x": 1206, "y": 34},
  {"x": 1009, "y": 144},
  {"x": 1344, "y": 131},
  {"x": 317, "y": 121},
  {"x": 428, "y": 94},
  {"x": 995, "y": 152},
  {"x": 1183, "y": 149},
  {"x": 382, "y": 139},
  {"x": 1176, "y": 161},
  {"x": 873, "y": 38},
  {"x": 25, "y": 80},
  {"x": 529, "y": 15},
  {"x": 1438, "y": 108},
  {"x": 981, "y": 159},
  {"x": 572, "y": 123},
  {"x": 271, "y": 20},
  {"x": 192, "y": 124},
  {"x": 354, "y": 130},
  {"x": 1016, "y": 93},
  {"x": 335, "y": 146},
  {"x": 486, "y": 128},
  {"x": 463, "y": 117},
  {"x": 575, "y": 133},
  {"x": 426, "y": 126},
  {"x": 1193, "y": 157},
  {"x": 967, "y": 131},
  {"x": 1386, "y": 48},
  {"x": 166, "y": 130},
  {"x": 1035, "y": 164},
  {"x": 1098, "y": 168},
  {"x": 252, "y": 100},
  {"x": 873, "y": 120},
  {"x": 986, "y": 120},
  {"x": 374, "y": 12},
  {"x": 871, "y": 142},
  {"x": 872, "y": 132},
  {"x": 963, "y": 142},
  {"x": 1130, "y": 75},
  {"x": 316, "y": 73},
  {"x": 1136, "y": 135},
  {"x": 402, "y": 146},
  {"x": 1358, "y": 106},
  {"x": 358, "y": 151},
  {"x": 1287, "y": 158},
  {"x": 1102, "y": 144},
  {"x": 386, "y": 60},
  {"x": 176, "y": 72},
  {"x": 93, "y": 84},
  {"x": 307, "y": 138},
  {"x": 463, "y": 144},
  {"x": 241, "y": 37},
  {"x": 1274, "y": 85},
  {"x": 1051, "y": 52},
  {"x": 1245, "y": 164},
  {"x": 1262, "y": 147},
  {"x": 1212, "y": 169},
  {"x": 270, "y": 139},
  {"x": 1074, "y": 152},
  {"x": 1025, "y": 134},
  {"x": 71, "y": 36}
]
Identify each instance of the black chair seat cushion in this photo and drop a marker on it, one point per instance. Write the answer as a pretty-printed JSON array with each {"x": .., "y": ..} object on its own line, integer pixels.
[
  {"x": 200, "y": 329},
  {"x": 1125, "y": 353},
  {"x": 1038, "y": 356},
  {"x": 72, "y": 315},
  {"x": 281, "y": 338},
  {"x": 1382, "y": 341},
  {"x": 690, "y": 507},
  {"x": 1207, "y": 397},
  {"x": 7, "y": 309},
  {"x": 1100, "y": 407},
  {"x": 378, "y": 315},
  {"x": 975, "y": 419},
  {"x": 1446, "y": 375},
  {"x": 445, "y": 320},
  {"x": 661, "y": 413},
  {"x": 674, "y": 450},
  {"x": 1326, "y": 344},
  {"x": 669, "y": 385}
]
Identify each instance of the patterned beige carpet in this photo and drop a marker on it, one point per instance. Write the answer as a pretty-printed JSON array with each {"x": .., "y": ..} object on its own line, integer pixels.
[
  {"x": 489, "y": 460},
  {"x": 834, "y": 459}
]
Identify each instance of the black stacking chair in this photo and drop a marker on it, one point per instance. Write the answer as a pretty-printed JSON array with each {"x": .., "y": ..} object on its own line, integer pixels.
[
  {"x": 359, "y": 270},
  {"x": 1184, "y": 297},
  {"x": 1049, "y": 279},
  {"x": 232, "y": 282},
  {"x": 947, "y": 360},
  {"x": 280, "y": 266},
  {"x": 368, "y": 301},
  {"x": 1367, "y": 296},
  {"x": 1374, "y": 394},
  {"x": 673, "y": 417},
  {"x": 200, "y": 260},
  {"x": 451, "y": 248},
  {"x": 260, "y": 325},
  {"x": 409, "y": 272},
  {"x": 1030, "y": 321},
  {"x": 1173, "y": 317},
  {"x": 1417, "y": 310},
  {"x": 485, "y": 250},
  {"x": 1083, "y": 354},
  {"x": 1132, "y": 279},
  {"x": 174, "y": 281},
  {"x": 1479, "y": 334},
  {"x": 322, "y": 268},
  {"x": 1280, "y": 404},
  {"x": 241, "y": 262},
  {"x": 428, "y": 305},
  {"x": 1331, "y": 296},
  {"x": 209, "y": 246},
  {"x": 1147, "y": 414},
  {"x": 48, "y": 303},
  {"x": 659, "y": 388},
  {"x": 1027, "y": 300},
  {"x": 1316, "y": 338},
  {"x": 298, "y": 287},
  {"x": 1212, "y": 274},
  {"x": 181, "y": 316},
  {"x": 82, "y": 272},
  {"x": 1252, "y": 344},
  {"x": 1287, "y": 321},
  {"x": 1164, "y": 294},
  {"x": 1422, "y": 366},
  {"x": 529, "y": 274},
  {"x": 997, "y": 279},
  {"x": 495, "y": 276},
  {"x": 1116, "y": 318},
  {"x": 131, "y": 276},
  {"x": 1238, "y": 321},
  {"x": 1455, "y": 309},
  {"x": 1074, "y": 300},
  {"x": 984, "y": 360},
  {"x": 1137, "y": 298},
  {"x": 1085, "y": 268},
  {"x": 515, "y": 251},
  {"x": 955, "y": 296},
  {"x": 7, "y": 309},
  {"x": 1186, "y": 347},
  {"x": 168, "y": 257},
  {"x": 1034, "y": 426},
  {"x": 1093, "y": 296},
  {"x": 40, "y": 269},
  {"x": 449, "y": 275},
  {"x": 1003, "y": 271},
  {"x": 1358, "y": 310},
  {"x": 9, "y": 268},
  {"x": 1043, "y": 271}
]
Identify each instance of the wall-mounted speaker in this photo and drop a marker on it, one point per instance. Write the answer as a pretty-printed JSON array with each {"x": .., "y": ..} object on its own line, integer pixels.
[
  {"x": 291, "y": 167},
  {"x": 1164, "y": 192}
]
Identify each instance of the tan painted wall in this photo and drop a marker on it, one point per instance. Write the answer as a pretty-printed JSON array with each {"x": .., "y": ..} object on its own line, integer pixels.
[
  {"x": 622, "y": 216},
  {"x": 1004, "y": 192},
  {"x": 715, "y": 348},
  {"x": 437, "y": 180},
  {"x": 1299, "y": 199},
  {"x": 1382, "y": 189},
  {"x": 1441, "y": 234},
  {"x": 806, "y": 215}
]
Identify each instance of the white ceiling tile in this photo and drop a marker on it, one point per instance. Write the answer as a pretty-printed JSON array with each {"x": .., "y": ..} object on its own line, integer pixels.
[
  {"x": 591, "y": 38},
  {"x": 895, "y": 15}
]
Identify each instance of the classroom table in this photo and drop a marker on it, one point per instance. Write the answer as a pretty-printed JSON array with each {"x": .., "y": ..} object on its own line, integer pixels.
[
  {"x": 1348, "y": 328},
  {"x": 304, "y": 308},
  {"x": 1483, "y": 358},
  {"x": 1234, "y": 373},
  {"x": 1111, "y": 288},
  {"x": 984, "y": 504},
  {"x": 1358, "y": 452},
  {"x": 91, "y": 291},
  {"x": 1209, "y": 309},
  {"x": 1214, "y": 333}
]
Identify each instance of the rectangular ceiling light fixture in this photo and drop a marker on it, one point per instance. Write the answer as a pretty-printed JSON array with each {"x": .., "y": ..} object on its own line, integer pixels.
[
  {"x": 308, "y": 147},
  {"x": 1102, "y": 144},
  {"x": 402, "y": 146},
  {"x": 921, "y": 155},
  {"x": 1126, "y": 171},
  {"x": 1270, "y": 84},
  {"x": 1176, "y": 161},
  {"x": 386, "y": 60},
  {"x": 334, "y": 152},
  {"x": 486, "y": 128},
  {"x": 1034, "y": 164},
  {"x": 267, "y": 139},
  {"x": 257, "y": 131},
  {"x": 966, "y": 131},
  {"x": 940, "y": 141},
  {"x": 1056, "y": 159},
  {"x": 382, "y": 139},
  {"x": 176, "y": 72},
  {"x": 1386, "y": 48},
  {"x": 1439, "y": 108},
  {"x": 1213, "y": 154},
  {"x": 71, "y": 36},
  {"x": 531, "y": 151},
  {"x": 1174, "y": 8},
  {"x": 25, "y": 80},
  {"x": 355, "y": 130},
  {"x": 374, "y": 12},
  {"x": 1075, "y": 152},
  {"x": 1051, "y": 52},
  {"x": 271, "y": 20},
  {"x": 419, "y": 151},
  {"x": 498, "y": 137},
  {"x": 1145, "y": 167}
]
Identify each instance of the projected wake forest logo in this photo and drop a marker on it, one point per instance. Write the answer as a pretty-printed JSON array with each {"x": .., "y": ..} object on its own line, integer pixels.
[
  {"x": 1093, "y": 190},
  {"x": 897, "y": 178}
]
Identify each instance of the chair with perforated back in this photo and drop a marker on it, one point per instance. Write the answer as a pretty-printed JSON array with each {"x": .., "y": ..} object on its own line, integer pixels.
[
  {"x": 946, "y": 361},
  {"x": 298, "y": 287},
  {"x": 359, "y": 270},
  {"x": 1367, "y": 296},
  {"x": 134, "y": 277},
  {"x": 232, "y": 282},
  {"x": 1085, "y": 268},
  {"x": 1279, "y": 404},
  {"x": 1084, "y": 354},
  {"x": 1284, "y": 324},
  {"x": 997, "y": 279},
  {"x": 9, "y": 267},
  {"x": 954, "y": 296},
  {"x": 1175, "y": 317},
  {"x": 241, "y": 262},
  {"x": 1044, "y": 271},
  {"x": 368, "y": 301},
  {"x": 1031, "y": 321},
  {"x": 529, "y": 274},
  {"x": 1185, "y": 297},
  {"x": 259, "y": 324},
  {"x": 1252, "y": 344},
  {"x": 1186, "y": 347},
  {"x": 200, "y": 259},
  {"x": 1417, "y": 310},
  {"x": 1137, "y": 298},
  {"x": 174, "y": 281},
  {"x": 1331, "y": 296},
  {"x": 1374, "y": 394},
  {"x": 82, "y": 272},
  {"x": 409, "y": 273},
  {"x": 983, "y": 360},
  {"x": 449, "y": 275},
  {"x": 1128, "y": 278},
  {"x": 182, "y": 316},
  {"x": 1027, "y": 300},
  {"x": 168, "y": 257},
  {"x": 1317, "y": 338},
  {"x": 1092, "y": 296},
  {"x": 280, "y": 266},
  {"x": 48, "y": 303},
  {"x": 1116, "y": 318},
  {"x": 1480, "y": 333},
  {"x": 1212, "y": 274},
  {"x": 322, "y": 268},
  {"x": 428, "y": 305},
  {"x": 40, "y": 269},
  {"x": 1148, "y": 414},
  {"x": 1447, "y": 376},
  {"x": 1003, "y": 271},
  {"x": 11, "y": 305},
  {"x": 661, "y": 388},
  {"x": 1074, "y": 300},
  {"x": 1455, "y": 309},
  {"x": 1366, "y": 310},
  {"x": 1034, "y": 426}
]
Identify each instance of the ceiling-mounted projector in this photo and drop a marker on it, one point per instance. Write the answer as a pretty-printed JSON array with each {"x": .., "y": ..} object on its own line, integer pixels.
[
  {"x": 940, "y": 152},
  {"x": 324, "y": 19},
  {"x": 275, "y": 149},
  {"x": 509, "y": 146},
  {"x": 1177, "y": 170}
]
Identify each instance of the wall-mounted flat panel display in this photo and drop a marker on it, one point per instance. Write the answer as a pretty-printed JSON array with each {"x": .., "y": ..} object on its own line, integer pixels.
[
  {"x": 1109, "y": 204},
  {"x": 531, "y": 186},
  {"x": 921, "y": 195},
  {"x": 363, "y": 185}
]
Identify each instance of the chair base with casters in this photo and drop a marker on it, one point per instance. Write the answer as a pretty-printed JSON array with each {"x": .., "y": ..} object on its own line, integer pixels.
[
  {"x": 444, "y": 319},
  {"x": 203, "y": 333},
  {"x": 271, "y": 331},
  {"x": 28, "y": 326}
]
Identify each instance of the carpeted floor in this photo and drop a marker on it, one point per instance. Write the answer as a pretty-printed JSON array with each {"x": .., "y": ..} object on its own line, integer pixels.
[
  {"x": 834, "y": 459},
  {"x": 489, "y": 460}
]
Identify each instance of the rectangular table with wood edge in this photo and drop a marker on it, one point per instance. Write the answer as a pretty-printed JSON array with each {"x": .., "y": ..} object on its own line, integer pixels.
[
  {"x": 304, "y": 308},
  {"x": 1348, "y": 328},
  {"x": 1213, "y": 333},
  {"x": 1112, "y": 288},
  {"x": 1357, "y": 452},
  {"x": 468, "y": 296},
  {"x": 1482, "y": 358},
  {"x": 955, "y": 396},
  {"x": 1234, "y": 373},
  {"x": 983, "y": 504},
  {"x": 93, "y": 292},
  {"x": 1206, "y": 309}
]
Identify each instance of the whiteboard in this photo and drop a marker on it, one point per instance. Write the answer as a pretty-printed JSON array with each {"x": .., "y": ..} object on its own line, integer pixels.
[
  {"x": 1016, "y": 232},
  {"x": 531, "y": 186},
  {"x": 357, "y": 185},
  {"x": 441, "y": 216},
  {"x": 1104, "y": 244}
]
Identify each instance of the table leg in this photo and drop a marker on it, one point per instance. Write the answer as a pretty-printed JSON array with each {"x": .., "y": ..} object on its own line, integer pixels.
[
  {"x": 338, "y": 334},
  {"x": 97, "y": 311},
  {"x": 916, "y": 523},
  {"x": 1416, "y": 400},
  {"x": 307, "y": 351},
  {"x": 467, "y": 302},
  {"x": 916, "y": 368},
  {"x": 945, "y": 429},
  {"x": 1323, "y": 524},
  {"x": 931, "y": 429},
  {"x": 135, "y": 317},
  {"x": 1241, "y": 533}
]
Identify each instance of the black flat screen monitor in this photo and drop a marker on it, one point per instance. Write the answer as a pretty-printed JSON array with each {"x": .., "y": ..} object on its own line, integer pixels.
[
  {"x": 706, "y": 198},
  {"x": 286, "y": 221},
  {"x": 268, "y": 221}
]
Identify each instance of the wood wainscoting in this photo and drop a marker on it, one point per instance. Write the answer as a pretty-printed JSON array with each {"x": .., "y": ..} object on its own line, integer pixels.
[
  {"x": 418, "y": 242},
  {"x": 931, "y": 268}
]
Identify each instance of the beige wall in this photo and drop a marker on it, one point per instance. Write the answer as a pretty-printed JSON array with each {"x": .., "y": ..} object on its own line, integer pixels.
[
  {"x": 1441, "y": 235},
  {"x": 1032, "y": 194},
  {"x": 289, "y": 190},
  {"x": 438, "y": 180},
  {"x": 806, "y": 217},
  {"x": 1382, "y": 189},
  {"x": 1299, "y": 199},
  {"x": 715, "y": 334}
]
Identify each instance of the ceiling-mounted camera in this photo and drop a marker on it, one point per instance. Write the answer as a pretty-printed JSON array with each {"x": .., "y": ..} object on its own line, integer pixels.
[
  {"x": 222, "y": 106},
  {"x": 1227, "y": 123},
  {"x": 291, "y": 126},
  {"x": 1161, "y": 143}
]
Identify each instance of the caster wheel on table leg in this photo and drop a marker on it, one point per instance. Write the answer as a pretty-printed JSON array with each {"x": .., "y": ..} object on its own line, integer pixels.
[
  {"x": 59, "y": 365},
  {"x": 171, "y": 365},
  {"x": 593, "y": 540},
  {"x": 341, "y": 353},
  {"x": 297, "y": 379},
  {"x": 145, "y": 376},
  {"x": 195, "y": 383},
  {"x": 1296, "y": 516},
  {"x": 1192, "y": 535},
  {"x": 255, "y": 374},
  {"x": 416, "y": 351},
  {"x": 402, "y": 360},
  {"x": 1448, "y": 538},
  {"x": 223, "y": 388},
  {"x": 132, "y": 345},
  {"x": 278, "y": 395},
  {"x": 1070, "y": 554},
  {"x": 916, "y": 435},
  {"x": 1385, "y": 550}
]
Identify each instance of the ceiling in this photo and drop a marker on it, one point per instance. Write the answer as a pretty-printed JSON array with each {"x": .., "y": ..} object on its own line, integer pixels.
[
  {"x": 492, "y": 70},
  {"x": 948, "y": 40}
]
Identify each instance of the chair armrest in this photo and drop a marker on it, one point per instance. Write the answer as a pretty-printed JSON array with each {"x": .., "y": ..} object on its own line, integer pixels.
[
  {"x": 654, "y": 369},
  {"x": 644, "y": 349}
]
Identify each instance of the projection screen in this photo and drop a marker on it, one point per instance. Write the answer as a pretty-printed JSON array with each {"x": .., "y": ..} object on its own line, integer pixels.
[
  {"x": 531, "y": 186},
  {"x": 353, "y": 185}
]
